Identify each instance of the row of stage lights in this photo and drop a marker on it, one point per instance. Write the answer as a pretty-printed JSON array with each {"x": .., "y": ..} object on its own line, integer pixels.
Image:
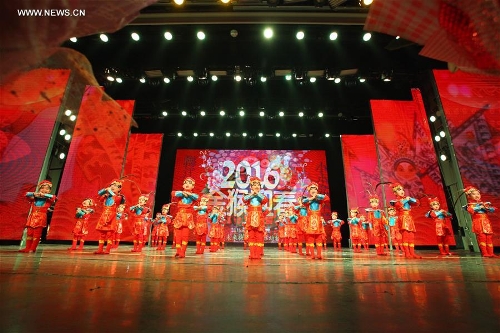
[
  {"x": 440, "y": 137},
  {"x": 245, "y": 135},
  {"x": 242, "y": 113},
  {"x": 274, "y": 3}
]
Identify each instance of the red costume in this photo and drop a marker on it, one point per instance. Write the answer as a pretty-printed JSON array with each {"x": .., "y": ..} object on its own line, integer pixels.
[
  {"x": 406, "y": 224},
  {"x": 396, "y": 238},
  {"x": 481, "y": 224},
  {"x": 443, "y": 233},
  {"x": 314, "y": 225},
  {"x": 81, "y": 229},
  {"x": 184, "y": 219},
  {"x": 163, "y": 222},
  {"x": 355, "y": 229},
  {"x": 336, "y": 234},
  {"x": 139, "y": 220},
  {"x": 41, "y": 201},
  {"x": 214, "y": 229},
  {"x": 281, "y": 223},
  {"x": 120, "y": 217},
  {"x": 378, "y": 221},
  {"x": 106, "y": 225},
  {"x": 301, "y": 212},
  {"x": 255, "y": 220},
  {"x": 201, "y": 228}
]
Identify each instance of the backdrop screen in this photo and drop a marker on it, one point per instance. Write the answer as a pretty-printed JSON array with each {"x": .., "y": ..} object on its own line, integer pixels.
[{"x": 225, "y": 175}]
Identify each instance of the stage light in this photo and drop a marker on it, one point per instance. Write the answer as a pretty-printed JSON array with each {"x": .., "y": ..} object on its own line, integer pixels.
[
  {"x": 184, "y": 113},
  {"x": 398, "y": 37},
  {"x": 168, "y": 35},
  {"x": 244, "y": 134},
  {"x": 278, "y": 135},
  {"x": 334, "y": 35},
  {"x": 62, "y": 131},
  {"x": 62, "y": 156},
  {"x": 281, "y": 114},
  {"x": 337, "y": 80},
  {"x": 135, "y": 36},
  {"x": 294, "y": 135},
  {"x": 367, "y": 2},
  {"x": 190, "y": 78},
  {"x": 320, "y": 115},
  {"x": 195, "y": 134},
  {"x": 110, "y": 78},
  {"x": 288, "y": 77},
  {"x": 67, "y": 137},
  {"x": 443, "y": 157},
  {"x": 179, "y": 2},
  {"x": 200, "y": 35},
  {"x": 73, "y": 39},
  {"x": 362, "y": 79},
  {"x": 142, "y": 80},
  {"x": 67, "y": 112},
  {"x": 202, "y": 113},
  {"x": 268, "y": 33},
  {"x": 301, "y": 114},
  {"x": 164, "y": 113},
  {"x": 225, "y": 1},
  {"x": 442, "y": 134},
  {"x": 263, "y": 79},
  {"x": 103, "y": 37},
  {"x": 72, "y": 117},
  {"x": 432, "y": 119},
  {"x": 228, "y": 134},
  {"x": 214, "y": 78},
  {"x": 312, "y": 79},
  {"x": 367, "y": 36},
  {"x": 222, "y": 113},
  {"x": 260, "y": 135},
  {"x": 300, "y": 35},
  {"x": 262, "y": 113},
  {"x": 242, "y": 113},
  {"x": 327, "y": 135},
  {"x": 119, "y": 80},
  {"x": 179, "y": 134},
  {"x": 237, "y": 77},
  {"x": 166, "y": 80},
  {"x": 437, "y": 138},
  {"x": 211, "y": 134}
]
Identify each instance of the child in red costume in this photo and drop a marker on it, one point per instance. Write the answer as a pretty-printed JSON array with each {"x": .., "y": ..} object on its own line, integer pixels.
[
  {"x": 201, "y": 228},
  {"x": 281, "y": 224},
  {"x": 403, "y": 204},
  {"x": 163, "y": 222},
  {"x": 214, "y": 231},
  {"x": 355, "y": 229},
  {"x": 481, "y": 224},
  {"x": 443, "y": 233},
  {"x": 378, "y": 221},
  {"x": 184, "y": 219},
  {"x": 106, "y": 225},
  {"x": 314, "y": 225},
  {"x": 396, "y": 237},
  {"x": 255, "y": 220},
  {"x": 81, "y": 229},
  {"x": 41, "y": 201},
  {"x": 336, "y": 235},
  {"x": 291, "y": 220},
  {"x": 120, "y": 217},
  {"x": 140, "y": 215}
]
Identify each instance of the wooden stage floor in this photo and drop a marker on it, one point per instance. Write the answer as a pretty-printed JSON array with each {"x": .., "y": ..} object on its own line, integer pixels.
[{"x": 55, "y": 290}]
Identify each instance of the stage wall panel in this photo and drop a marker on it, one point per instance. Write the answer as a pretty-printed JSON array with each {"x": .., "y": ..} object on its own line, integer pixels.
[
  {"x": 407, "y": 156},
  {"x": 471, "y": 104},
  {"x": 28, "y": 111},
  {"x": 225, "y": 175},
  {"x": 95, "y": 158}
]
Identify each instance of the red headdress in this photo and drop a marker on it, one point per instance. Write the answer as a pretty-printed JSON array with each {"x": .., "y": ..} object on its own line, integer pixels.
[
  {"x": 396, "y": 187},
  {"x": 45, "y": 183},
  {"x": 189, "y": 179},
  {"x": 116, "y": 182},
  {"x": 354, "y": 209},
  {"x": 165, "y": 206},
  {"x": 373, "y": 197},
  {"x": 313, "y": 184},
  {"x": 432, "y": 200},
  {"x": 469, "y": 189},
  {"x": 91, "y": 202},
  {"x": 254, "y": 180}
]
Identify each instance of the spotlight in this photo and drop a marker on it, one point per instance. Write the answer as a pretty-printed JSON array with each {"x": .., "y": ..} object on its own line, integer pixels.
[
  {"x": 214, "y": 77},
  {"x": 225, "y": 1},
  {"x": 442, "y": 134},
  {"x": 62, "y": 156},
  {"x": 268, "y": 33},
  {"x": 398, "y": 37},
  {"x": 110, "y": 78},
  {"x": 195, "y": 134},
  {"x": 179, "y": 2},
  {"x": 437, "y": 138},
  {"x": 103, "y": 37},
  {"x": 119, "y": 80},
  {"x": 211, "y": 134},
  {"x": 263, "y": 79},
  {"x": 67, "y": 113},
  {"x": 200, "y": 35},
  {"x": 334, "y": 35},
  {"x": 72, "y": 117},
  {"x": 281, "y": 114},
  {"x": 443, "y": 157},
  {"x": 244, "y": 134},
  {"x": 327, "y": 135},
  {"x": 288, "y": 77},
  {"x": 179, "y": 134},
  {"x": 278, "y": 135},
  {"x": 228, "y": 134},
  {"x": 320, "y": 115},
  {"x": 262, "y": 113},
  {"x": 67, "y": 137},
  {"x": 168, "y": 35},
  {"x": 184, "y": 113},
  {"x": 222, "y": 113},
  {"x": 164, "y": 113},
  {"x": 73, "y": 39},
  {"x": 432, "y": 119},
  {"x": 260, "y": 135},
  {"x": 166, "y": 80},
  {"x": 190, "y": 78},
  {"x": 362, "y": 79},
  {"x": 142, "y": 80},
  {"x": 301, "y": 114},
  {"x": 62, "y": 131},
  {"x": 300, "y": 35},
  {"x": 367, "y": 36},
  {"x": 294, "y": 135},
  {"x": 135, "y": 36},
  {"x": 367, "y": 2},
  {"x": 202, "y": 113},
  {"x": 337, "y": 80},
  {"x": 237, "y": 77},
  {"x": 312, "y": 79},
  {"x": 242, "y": 113}
]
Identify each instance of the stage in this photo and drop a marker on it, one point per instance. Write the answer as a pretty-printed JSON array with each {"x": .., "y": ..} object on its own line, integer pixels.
[{"x": 55, "y": 290}]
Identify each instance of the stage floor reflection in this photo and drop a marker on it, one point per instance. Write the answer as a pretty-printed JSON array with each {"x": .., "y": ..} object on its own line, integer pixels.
[{"x": 55, "y": 290}]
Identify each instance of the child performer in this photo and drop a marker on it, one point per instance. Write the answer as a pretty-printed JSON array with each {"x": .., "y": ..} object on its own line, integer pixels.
[
  {"x": 301, "y": 212},
  {"x": 314, "y": 225},
  {"x": 154, "y": 233},
  {"x": 221, "y": 227},
  {"x": 255, "y": 221},
  {"x": 163, "y": 223},
  {"x": 120, "y": 217},
  {"x": 81, "y": 229},
  {"x": 140, "y": 216},
  {"x": 292, "y": 219},
  {"x": 355, "y": 223},
  {"x": 214, "y": 220},
  {"x": 41, "y": 201},
  {"x": 336, "y": 235},
  {"x": 481, "y": 224},
  {"x": 403, "y": 204},
  {"x": 184, "y": 219},
  {"x": 106, "y": 225},
  {"x": 378, "y": 221},
  {"x": 201, "y": 224},
  {"x": 396, "y": 237},
  {"x": 442, "y": 231},
  {"x": 365, "y": 229},
  {"x": 281, "y": 223}
]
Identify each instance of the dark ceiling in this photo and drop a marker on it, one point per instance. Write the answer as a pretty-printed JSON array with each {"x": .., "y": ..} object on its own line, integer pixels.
[{"x": 345, "y": 105}]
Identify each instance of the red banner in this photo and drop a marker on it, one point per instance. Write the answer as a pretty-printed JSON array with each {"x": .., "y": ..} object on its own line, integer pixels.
[
  {"x": 407, "y": 156},
  {"x": 28, "y": 108},
  {"x": 95, "y": 158},
  {"x": 471, "y": 104}
]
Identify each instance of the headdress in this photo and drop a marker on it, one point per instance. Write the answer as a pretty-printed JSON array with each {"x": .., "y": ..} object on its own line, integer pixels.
[
  {"x": 189, "y": 179},
  {"x": 45, "y": 183},
  {"x": 254, "y": 180},
  {"x": 313, "y": 184},
  {"x": 116, "y": 182},
  {"x": 396, "y": 187},
  {"x": 432, "y": 200},
  {"x": 469, "y": 189}
]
